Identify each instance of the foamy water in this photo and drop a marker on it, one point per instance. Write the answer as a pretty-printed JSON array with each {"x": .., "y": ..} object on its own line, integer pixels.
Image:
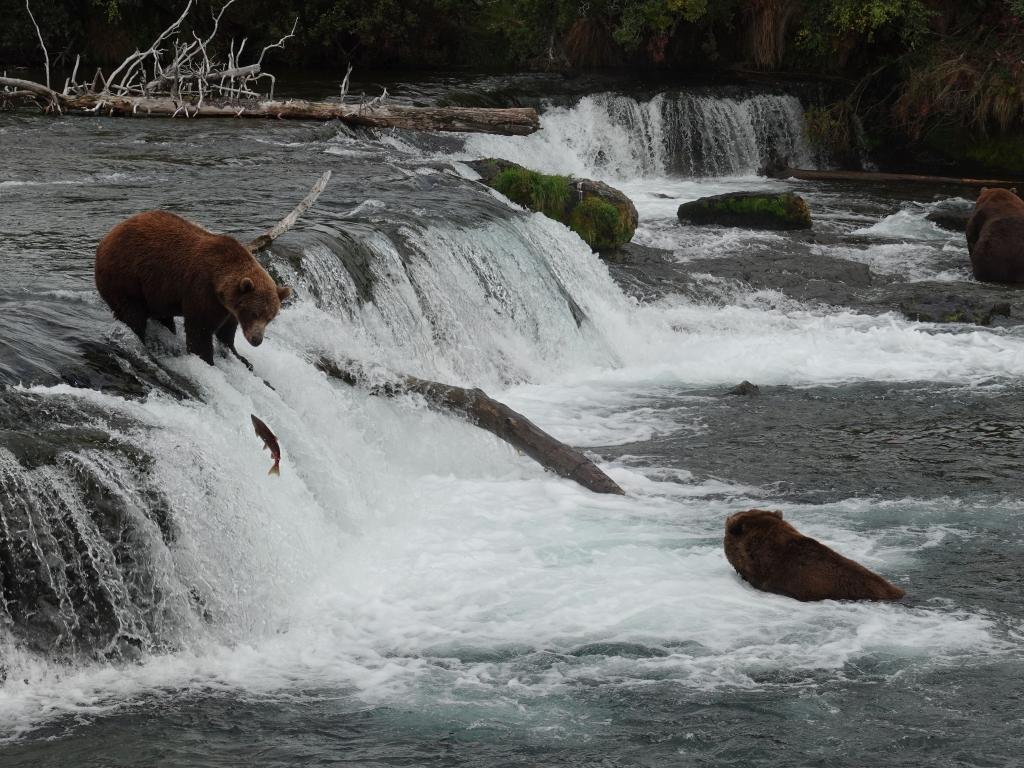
[{"x": 408, "y": 560}]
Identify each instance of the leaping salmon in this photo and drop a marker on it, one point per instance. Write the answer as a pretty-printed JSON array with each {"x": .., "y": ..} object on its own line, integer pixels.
[{"x": 269, "y": 442}]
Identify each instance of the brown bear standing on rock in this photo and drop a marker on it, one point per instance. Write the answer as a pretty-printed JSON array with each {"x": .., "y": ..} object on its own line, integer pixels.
[
  {"x": 773, "y": 556},
  {"x": 995, "y": 237},
  {"x": 158, "y": 265}
]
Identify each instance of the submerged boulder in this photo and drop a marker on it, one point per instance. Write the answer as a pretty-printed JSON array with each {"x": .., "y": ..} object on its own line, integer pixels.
[
  {"x": 952, "y": 308},
  {"x": 952, "y": 219},
  {"x": 603, "y": 216},
  {"x": 745, "y": 389},
  {"x": 750, "y": 210}
]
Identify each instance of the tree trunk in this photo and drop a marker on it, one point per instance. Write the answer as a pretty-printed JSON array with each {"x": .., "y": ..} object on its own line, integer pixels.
[
  {"x": 864, "y": 176},
  {"x": 475, "y": 406},
  {"x": 518, "y": 121}
]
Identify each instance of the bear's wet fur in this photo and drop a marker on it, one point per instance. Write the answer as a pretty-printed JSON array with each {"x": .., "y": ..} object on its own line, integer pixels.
[
  {"x": 995, "y": 237},
  {"x": 161, "y": 266},
  {"x": 773, "y": 556}
]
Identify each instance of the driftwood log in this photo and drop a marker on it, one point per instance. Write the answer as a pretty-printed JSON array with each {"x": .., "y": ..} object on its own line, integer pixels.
[
  {"x": 866, "y": 176},
  {"x": 518, "y": 121},
  {"x": 475, "y": 406},
  {"x": 181, "y": 74}
]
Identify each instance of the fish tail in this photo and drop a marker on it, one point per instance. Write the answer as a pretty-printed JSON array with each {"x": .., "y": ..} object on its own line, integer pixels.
[{"x": 275, "y": 470}]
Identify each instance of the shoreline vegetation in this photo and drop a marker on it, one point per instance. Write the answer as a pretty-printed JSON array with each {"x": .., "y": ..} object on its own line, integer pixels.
[{"x": 906, "y": 84}]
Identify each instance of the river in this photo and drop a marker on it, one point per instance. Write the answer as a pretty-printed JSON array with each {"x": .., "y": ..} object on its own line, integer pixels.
[{"x": 412, "y": 592}]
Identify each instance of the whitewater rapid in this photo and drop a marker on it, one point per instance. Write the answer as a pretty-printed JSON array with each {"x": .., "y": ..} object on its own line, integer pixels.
[{"x": 404, "y": 559}]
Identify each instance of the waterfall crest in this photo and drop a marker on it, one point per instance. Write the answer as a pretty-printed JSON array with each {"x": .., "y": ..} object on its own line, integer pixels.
[{"x": 682, "y": 133}]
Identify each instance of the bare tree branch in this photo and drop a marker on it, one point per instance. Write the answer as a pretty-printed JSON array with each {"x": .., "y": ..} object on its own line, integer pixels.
[
  {"x": 288, "y": 221},
  {"x": 153, "y": 49},
  {"x": 178, "y": 76},
  {"x": 51, "y": 97},
  {"x": 46, "y": 54}
]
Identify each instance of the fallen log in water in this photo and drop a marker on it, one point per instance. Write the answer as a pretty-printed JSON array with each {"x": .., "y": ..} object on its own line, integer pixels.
[
  {"x": 178, "y": 74},
  {"x": 485, "y": 412},
  {"x": 518, "y": 121},
  {"x": 867, "y": 176}
]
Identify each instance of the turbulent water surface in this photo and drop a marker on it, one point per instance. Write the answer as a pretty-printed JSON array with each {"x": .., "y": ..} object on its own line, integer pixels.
[{"x": 410, "y": 591}]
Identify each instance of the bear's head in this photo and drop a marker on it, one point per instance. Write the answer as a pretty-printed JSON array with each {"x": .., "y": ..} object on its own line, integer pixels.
[
  {"x": 751, "y": 524},
  {"x": 997, "y": 194},
  {"x": 742, "y": 522},
  {"x": 254, "y": 299}
]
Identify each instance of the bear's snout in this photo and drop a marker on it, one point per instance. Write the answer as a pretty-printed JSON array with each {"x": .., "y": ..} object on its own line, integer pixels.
[{"x": 254, "y": 334}]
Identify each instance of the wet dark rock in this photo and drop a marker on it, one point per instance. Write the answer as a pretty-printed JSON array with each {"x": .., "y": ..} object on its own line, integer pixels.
[
  {"x": 799, "y": 271},
  {"x": 624, "y": 650},
  {"x": 745, "y": 389},
  {"x": 799, "y": 275},
  {"x": 749, "y": 210},
  {"x": 954, "y": 308},
  {"x": 952, "y": 219},
  {"x": 128, "y": 372},
  {"x": 649, "y": 273}
]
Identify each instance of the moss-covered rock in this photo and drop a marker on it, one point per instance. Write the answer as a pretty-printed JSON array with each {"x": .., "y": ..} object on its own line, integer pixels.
[
  {"x": 750, "y": 210},
  {"x": 601, "y": 215}
]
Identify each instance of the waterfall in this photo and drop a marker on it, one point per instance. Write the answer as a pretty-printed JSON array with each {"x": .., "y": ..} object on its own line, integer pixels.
[
  {"x": 512, "y": 299},
  {"x": 84, "y": 559},
  {"x": 403, "y": 557},
  {"x": 675, "y": 133}
]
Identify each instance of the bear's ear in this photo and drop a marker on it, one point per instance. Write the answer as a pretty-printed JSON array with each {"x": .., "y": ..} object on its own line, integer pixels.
[
  {"x": 777, "y": 513},
  {"x": 246, "y": 285},
  {"x": 283, "y": 292},
  {"x": 736, "y": 529}
]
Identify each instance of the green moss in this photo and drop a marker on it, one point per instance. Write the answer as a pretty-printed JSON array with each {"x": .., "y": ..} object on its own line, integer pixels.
[
  {"x": 787, "y": 207},
  {"x": 537, "y": 191},
  {"x": 600, "y": 223}
]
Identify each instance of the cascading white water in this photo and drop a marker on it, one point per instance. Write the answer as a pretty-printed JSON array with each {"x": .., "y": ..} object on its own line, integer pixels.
[
  {"x": 496, "y": 303},
  {"x": 400, "y": 547},
  {"x": 690, "y": 134}
]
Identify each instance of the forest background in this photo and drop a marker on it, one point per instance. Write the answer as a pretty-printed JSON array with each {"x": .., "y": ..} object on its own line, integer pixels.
[{"x": 942, "y": 78}]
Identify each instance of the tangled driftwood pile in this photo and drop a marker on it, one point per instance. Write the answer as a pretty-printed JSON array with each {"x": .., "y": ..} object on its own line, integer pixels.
[{"x": 180, "y": 75}]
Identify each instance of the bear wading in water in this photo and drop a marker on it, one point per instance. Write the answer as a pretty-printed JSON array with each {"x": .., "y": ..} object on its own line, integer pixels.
[
  {"x": 158, "y": 265},
  {"x": 995, "y": 237},
  {"x": 773, "y": 556}
]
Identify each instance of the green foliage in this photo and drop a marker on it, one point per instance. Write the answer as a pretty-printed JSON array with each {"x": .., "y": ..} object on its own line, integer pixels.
[
  {"x": 537, "y": 191},
  {"x": 828, "y": 25},
  {"x": 639, "y": 19},
  {"x": 601, "y": 224},
  {"x": 828, "y": 128}
]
